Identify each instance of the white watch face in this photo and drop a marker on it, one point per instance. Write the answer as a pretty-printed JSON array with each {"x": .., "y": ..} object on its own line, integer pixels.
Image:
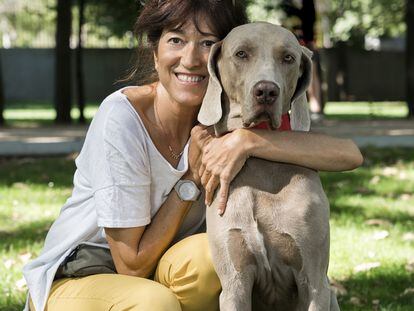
[{"x": 187, "y": 191}]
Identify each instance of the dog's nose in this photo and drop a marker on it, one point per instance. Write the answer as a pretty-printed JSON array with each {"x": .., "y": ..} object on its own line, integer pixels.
[{"x": 266, "y": 92}]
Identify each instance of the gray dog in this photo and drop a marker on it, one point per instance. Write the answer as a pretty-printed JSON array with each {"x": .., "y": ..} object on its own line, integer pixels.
[{"x": 271, "y": 247}]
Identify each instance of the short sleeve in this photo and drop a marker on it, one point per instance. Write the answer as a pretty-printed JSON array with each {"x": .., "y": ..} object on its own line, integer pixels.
[{"x": 123, "y": 199}]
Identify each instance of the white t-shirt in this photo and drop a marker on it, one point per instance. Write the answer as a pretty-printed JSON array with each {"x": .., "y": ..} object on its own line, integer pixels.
[{"x": 121, "y": 181}]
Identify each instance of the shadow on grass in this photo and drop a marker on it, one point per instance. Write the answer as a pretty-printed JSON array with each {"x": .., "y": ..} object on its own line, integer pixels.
[
  {"x": 36, "y": 122},
  {"x": 37, "y": 171},
  {"x": 11, "y": 305},
  {"x": 343, "y": 214},
  {"x": 25, "y": 234},
  {"x": 386, "y": 284}
]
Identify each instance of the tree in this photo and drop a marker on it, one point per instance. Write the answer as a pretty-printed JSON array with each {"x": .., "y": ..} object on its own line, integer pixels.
[
  {"x": 352, "y": 20},
  {"x": 63, "y": 98},
  {"x": 409, "y": 18},
  {"x": 79, "y": 63},
  {"x": 118, "y": 16},
  {"x": 1, "y": 95}
]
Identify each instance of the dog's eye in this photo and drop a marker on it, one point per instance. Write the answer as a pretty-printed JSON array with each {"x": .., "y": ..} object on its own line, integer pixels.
[
  {"x": 288, "y": 59},
  {"x": 241, "y": 54}
]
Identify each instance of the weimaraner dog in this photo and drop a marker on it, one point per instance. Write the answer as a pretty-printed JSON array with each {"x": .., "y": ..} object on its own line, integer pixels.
[{"x": 271, "y": 247}]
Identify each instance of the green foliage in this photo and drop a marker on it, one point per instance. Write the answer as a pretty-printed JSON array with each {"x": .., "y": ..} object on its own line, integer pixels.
[
  {"x": 27, "y": 23},
  {"x": 117, "y": 16},
  {"x": 353, "y": 19},
  {"x": 264, "y": 10},
  {"x": 349, "y": 20},
  {"x": 32, "y": 23}
]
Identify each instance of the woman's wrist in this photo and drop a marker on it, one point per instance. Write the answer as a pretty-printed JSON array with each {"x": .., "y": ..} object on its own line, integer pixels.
[
  {"x": 246, "y": 141},
  {"x": 189, "y": 175}
]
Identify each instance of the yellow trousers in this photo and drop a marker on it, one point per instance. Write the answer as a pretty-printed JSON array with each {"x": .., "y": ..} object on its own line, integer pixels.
[{"x": 184, "y": 280}]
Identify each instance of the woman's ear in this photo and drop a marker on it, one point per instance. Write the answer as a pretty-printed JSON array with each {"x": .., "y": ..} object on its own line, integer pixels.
[
  {"x": 155, "y": 60},
  {"x": 210, "y": 112}
]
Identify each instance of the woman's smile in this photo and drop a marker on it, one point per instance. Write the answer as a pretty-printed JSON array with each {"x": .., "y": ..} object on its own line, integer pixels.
[{"x": 190, "y": 79}]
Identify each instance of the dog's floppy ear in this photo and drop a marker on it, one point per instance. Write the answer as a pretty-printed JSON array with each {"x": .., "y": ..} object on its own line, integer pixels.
[
  {"x": 299, "y": 113},
  {"x": 210, "y": 112}
]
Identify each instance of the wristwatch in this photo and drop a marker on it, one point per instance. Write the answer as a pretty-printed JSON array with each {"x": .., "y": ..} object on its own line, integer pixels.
[{"x": 187, "y": 190}]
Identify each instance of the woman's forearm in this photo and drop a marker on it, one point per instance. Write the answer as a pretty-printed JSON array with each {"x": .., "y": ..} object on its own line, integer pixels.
[
  {"x": 160, "y": 233},
  {"x": 316, "y": 151},
  {"x": 136, "y": 251}
]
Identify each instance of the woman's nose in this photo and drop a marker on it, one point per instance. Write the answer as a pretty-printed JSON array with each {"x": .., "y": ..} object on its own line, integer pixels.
[{"x": 191, "y": 56}]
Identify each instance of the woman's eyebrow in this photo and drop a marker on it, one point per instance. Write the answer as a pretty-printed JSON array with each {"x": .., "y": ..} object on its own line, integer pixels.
[{"x": 180, "y": 31}]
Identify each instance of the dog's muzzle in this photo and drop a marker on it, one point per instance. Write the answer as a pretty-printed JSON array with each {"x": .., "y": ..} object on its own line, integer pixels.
[{"x": 265, "y": 93}]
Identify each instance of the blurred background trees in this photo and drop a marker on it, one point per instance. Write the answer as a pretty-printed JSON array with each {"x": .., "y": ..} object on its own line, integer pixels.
[{"x": 360, "y": 24}]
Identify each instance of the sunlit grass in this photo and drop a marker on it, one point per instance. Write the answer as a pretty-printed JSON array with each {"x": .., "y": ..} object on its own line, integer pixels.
[
  {"x": 31, "y": 114},
  {"x": 365, "y": 110}
]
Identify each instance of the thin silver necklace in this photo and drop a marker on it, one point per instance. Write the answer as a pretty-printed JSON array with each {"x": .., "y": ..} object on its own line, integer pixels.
[{"x": 173, "y": 154}]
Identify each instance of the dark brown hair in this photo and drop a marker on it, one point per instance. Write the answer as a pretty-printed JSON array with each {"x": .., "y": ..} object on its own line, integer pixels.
[{"x": 157, "y": 15}]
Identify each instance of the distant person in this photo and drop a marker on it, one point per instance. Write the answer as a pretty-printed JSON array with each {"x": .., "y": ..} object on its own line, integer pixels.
[{"x": 128, "y": 237}]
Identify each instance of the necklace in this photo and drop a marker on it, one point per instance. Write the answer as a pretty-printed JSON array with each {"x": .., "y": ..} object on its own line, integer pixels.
[{"x": 173, "y": 154}]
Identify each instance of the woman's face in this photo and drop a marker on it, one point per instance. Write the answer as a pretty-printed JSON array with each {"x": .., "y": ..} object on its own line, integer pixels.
[{"x": 181, "y": 62}]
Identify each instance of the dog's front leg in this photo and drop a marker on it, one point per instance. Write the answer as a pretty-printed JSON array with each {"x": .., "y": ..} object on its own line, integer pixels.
[
  {"x": 236, "y": 273},
  {"x": 233, "y": 259}
]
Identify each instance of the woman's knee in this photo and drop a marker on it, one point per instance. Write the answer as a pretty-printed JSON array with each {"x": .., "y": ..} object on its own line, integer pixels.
[
  {"x": 188, "y": 270},
  {"x": 157, "y": 298},
  {"x": 143, "y": 294}
]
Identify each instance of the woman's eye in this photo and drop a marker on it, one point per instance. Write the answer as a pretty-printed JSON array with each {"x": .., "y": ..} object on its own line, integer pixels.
[
  {"x": 175, "y": 40},
  {"x": 288, "y": 59},
  {"x": 241, "y": 54},
  {"x": 208, "y": 43}
]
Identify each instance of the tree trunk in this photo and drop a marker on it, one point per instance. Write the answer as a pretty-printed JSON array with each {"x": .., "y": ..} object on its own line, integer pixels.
[
  {"x": 308, "y": 18},
  {"x": 410, "y": 56},
  {"x": 63, "y": 62},
  {"x": 79, "y": 64},
  {"x": 2, "y": 100}
]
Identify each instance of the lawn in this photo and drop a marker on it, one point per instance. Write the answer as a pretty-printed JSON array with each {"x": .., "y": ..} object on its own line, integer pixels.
[
  {"x": 372, "y": 226},
  {"x": 365, "y": 110},
  {"x": 41, "y": 113}
]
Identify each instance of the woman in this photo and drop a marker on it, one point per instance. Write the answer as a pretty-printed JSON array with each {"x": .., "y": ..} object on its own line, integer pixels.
[{"x": 137, "y": 177}]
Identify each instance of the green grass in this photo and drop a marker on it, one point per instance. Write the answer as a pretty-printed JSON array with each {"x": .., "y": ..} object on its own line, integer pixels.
[
  {"x": 381, "y": 189},
  {"x": 34, "y": 114},
  {"x": 33, "y": 190},
  {"x": 365, "y": 110}
]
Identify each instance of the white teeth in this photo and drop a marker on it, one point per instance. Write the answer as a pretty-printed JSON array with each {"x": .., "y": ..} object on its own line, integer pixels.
[{"x": 187, "y": 78}]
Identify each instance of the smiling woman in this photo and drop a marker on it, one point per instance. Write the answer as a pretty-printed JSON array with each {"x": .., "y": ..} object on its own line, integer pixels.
[{"x": 136, "y": 179}]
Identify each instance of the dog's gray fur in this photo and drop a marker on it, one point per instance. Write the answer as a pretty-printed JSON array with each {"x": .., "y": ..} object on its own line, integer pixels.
[{"x": 271, "y": 247}]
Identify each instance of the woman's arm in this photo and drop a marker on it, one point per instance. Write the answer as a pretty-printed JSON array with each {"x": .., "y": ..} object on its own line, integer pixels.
[
  {"x": 223, "y": 157},
  {"x": 136, "y": 251},
  {"x": 316, "y": 151}
]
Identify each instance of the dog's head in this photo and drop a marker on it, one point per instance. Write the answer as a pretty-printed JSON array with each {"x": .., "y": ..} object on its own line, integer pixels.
[{"x": 264, "y": 73}]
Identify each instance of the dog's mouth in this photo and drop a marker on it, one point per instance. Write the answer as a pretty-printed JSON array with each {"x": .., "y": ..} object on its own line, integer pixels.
[{"x": 262, "y": 120}]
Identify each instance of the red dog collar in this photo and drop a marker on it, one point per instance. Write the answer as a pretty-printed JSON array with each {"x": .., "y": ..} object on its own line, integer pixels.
[{"x": 285, "y": 126}]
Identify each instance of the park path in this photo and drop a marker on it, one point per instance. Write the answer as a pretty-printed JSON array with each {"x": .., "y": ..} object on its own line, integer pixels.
[{"x": 56, "y": 140}]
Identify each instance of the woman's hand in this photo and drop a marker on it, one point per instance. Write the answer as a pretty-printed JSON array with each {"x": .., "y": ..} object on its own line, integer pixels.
[{"x": 222, "y": 159}]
